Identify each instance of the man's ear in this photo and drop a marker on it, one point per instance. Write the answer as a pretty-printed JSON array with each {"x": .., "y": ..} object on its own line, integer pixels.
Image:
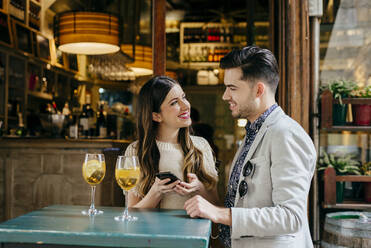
[
  {"x": 260, "y": 89},
  {"x": 156, "y": 117}
]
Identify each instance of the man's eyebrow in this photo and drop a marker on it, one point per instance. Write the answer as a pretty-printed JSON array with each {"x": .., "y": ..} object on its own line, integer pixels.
[{"x": 230, "y": 85}]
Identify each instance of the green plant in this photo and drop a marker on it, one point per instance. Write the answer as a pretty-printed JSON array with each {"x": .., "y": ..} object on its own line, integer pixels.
[
  {"x": 343, "y": 164},
  {"x": 366, "y": 169},
  {"x": 361, "y": 92},
  {"x": 340, "y": 88}
]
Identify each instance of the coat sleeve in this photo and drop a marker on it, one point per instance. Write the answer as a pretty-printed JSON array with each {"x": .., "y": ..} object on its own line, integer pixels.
[{"x": 293, "y": 160}]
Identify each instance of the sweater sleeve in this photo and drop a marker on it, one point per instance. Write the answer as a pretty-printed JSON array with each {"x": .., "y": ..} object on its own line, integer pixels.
[{"x": 131, "y": 150}]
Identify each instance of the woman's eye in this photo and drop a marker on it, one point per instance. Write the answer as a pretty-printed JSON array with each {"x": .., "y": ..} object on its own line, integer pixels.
[{"x": 173, "y": 103}]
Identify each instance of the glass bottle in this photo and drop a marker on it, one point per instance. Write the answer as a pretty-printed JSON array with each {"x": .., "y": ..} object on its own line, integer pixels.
[
  {"x": 21, "y": 130},
  {"x": 101, "y": 124}
]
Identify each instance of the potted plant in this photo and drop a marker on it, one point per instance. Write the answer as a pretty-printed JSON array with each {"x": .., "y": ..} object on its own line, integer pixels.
[
  {"x": 343, "y": 165},
  {"x": 362, "y": 112},
  {"x": 366, "y": 170},
  {"x": 339, "y": 89}
]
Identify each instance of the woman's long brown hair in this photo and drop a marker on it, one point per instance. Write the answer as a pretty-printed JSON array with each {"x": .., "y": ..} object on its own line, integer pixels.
[{"x": 151, "y": 96}]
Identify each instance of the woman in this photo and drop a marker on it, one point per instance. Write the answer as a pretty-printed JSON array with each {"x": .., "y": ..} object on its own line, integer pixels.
[{"x": 164, "y": 144}]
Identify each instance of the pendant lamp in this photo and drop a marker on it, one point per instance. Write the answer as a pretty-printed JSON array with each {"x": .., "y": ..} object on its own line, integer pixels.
[{"x": 82, "y": 32}]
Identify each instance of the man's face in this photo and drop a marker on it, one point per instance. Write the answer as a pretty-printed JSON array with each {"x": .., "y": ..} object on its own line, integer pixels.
[{"x": 240, "y": 94}]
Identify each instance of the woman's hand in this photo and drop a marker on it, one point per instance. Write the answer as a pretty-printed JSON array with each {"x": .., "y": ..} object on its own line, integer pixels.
[
  {"x": 154, "y": 195},
  {"x": 194, "y": 186},
  {"x": 159, "y": 187}
]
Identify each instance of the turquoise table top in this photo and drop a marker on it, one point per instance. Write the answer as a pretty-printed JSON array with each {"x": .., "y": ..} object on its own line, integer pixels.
[{"x": 64, "y": 225}]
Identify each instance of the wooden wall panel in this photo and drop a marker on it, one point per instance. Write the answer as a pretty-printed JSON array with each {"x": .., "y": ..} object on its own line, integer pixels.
[
  {"x": 158, "y": 37},
  {"x": 294, "y": 63}
]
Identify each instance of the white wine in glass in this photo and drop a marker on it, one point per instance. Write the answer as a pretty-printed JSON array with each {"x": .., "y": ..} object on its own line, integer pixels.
[
  {"x": 93, "y": 171},
  {"x": 127, "y": 176}
]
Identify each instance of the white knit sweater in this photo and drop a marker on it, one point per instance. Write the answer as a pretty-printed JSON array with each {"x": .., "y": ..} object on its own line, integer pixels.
[{"x": 171, "y": 159}]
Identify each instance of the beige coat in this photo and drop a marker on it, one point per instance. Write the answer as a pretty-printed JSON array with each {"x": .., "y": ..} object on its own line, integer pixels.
[{"x": 274, "y": 211}]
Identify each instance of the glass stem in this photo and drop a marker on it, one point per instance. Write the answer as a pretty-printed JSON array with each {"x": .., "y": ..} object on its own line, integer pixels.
[
  {"x": 92, "y": 206},
  {"x": 126, "y": 211}
]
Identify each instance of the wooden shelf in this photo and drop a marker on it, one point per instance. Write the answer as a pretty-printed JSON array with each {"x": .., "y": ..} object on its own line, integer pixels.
[
  {"x": 201, "y": 65},
  {"x": 348, "y": 205},
  {"x": 327, "y": 102},
  {"x": 212, "y": 44},
  {"x": 349, "y": 128},
  {"x": 357, "y": 100},
  {"x": 330, "y": 180},
  {"x": 353, "y": 178},
  {"x": 41, "y": 95}
]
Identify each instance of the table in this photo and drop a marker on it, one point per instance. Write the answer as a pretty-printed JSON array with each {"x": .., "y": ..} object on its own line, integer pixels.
[{"x": 63, "y": 225}]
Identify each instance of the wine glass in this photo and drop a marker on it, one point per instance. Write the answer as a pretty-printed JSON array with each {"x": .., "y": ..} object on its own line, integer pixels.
[
  {"x": 127, "y": 176},
  {"x": 93, "y": 171}
]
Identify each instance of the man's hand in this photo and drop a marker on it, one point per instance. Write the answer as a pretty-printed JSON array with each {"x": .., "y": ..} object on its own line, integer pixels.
[{"x": 197, "y": 206}]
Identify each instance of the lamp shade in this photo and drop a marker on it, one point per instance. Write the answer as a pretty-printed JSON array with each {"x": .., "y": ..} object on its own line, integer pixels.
[{"x": 86, "y": 32}]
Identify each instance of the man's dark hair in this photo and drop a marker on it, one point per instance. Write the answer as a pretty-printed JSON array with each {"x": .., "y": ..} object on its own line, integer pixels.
[{"x": 256, "y": 64}]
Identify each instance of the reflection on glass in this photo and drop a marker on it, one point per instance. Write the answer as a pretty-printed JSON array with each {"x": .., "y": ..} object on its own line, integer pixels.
[{"x": 345, "y": 41}]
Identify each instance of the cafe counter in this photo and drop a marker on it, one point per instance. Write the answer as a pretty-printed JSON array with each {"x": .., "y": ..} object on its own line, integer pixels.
[{"x": 35, "y": 173}]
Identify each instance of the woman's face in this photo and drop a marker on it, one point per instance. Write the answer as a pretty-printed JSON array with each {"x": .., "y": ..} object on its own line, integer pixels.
[{"x": 175, "y": 110}]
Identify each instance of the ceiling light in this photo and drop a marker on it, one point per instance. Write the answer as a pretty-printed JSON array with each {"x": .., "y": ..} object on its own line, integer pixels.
[{"x": 81, "y": 32}]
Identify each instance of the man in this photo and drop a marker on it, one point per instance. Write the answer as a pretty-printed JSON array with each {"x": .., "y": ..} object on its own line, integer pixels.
[{"x": 266, "y": 201}]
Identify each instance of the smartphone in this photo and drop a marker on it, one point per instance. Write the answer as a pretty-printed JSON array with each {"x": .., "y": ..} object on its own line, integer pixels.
[{"x": 167, "y": 174}]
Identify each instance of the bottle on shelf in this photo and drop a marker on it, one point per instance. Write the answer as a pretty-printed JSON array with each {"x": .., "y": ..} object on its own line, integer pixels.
[
  {"x": 21, "y": 130},
  {"x": 216, "y": 54},
  {"x": 54, "y": 108},
  {"x": 209, "y": 35},
  {"x": 73, "y": 126},
  {"x": 204, "y": 54},
  {"x": 101, "y": 123},
  {"x": 84, "y": 123},
  {"x": 192, "y": 54},
  {"x": 66, "y": 109},
  {"x": 186, "y": 53},
  {"x": 75, "y": 105},
  {"x": 222, "y": 35},
  {"x": 44, "y": 85},
  {"x": 89, "y": 114},
  {"x": 210, "y": 57}
]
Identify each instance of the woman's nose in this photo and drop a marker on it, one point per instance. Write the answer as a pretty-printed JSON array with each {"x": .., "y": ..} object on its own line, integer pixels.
[{"x": 184, "y": 104}]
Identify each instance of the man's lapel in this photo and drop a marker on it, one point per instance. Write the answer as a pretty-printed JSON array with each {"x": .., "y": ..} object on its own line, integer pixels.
[{"x": 272, "y": 118}]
